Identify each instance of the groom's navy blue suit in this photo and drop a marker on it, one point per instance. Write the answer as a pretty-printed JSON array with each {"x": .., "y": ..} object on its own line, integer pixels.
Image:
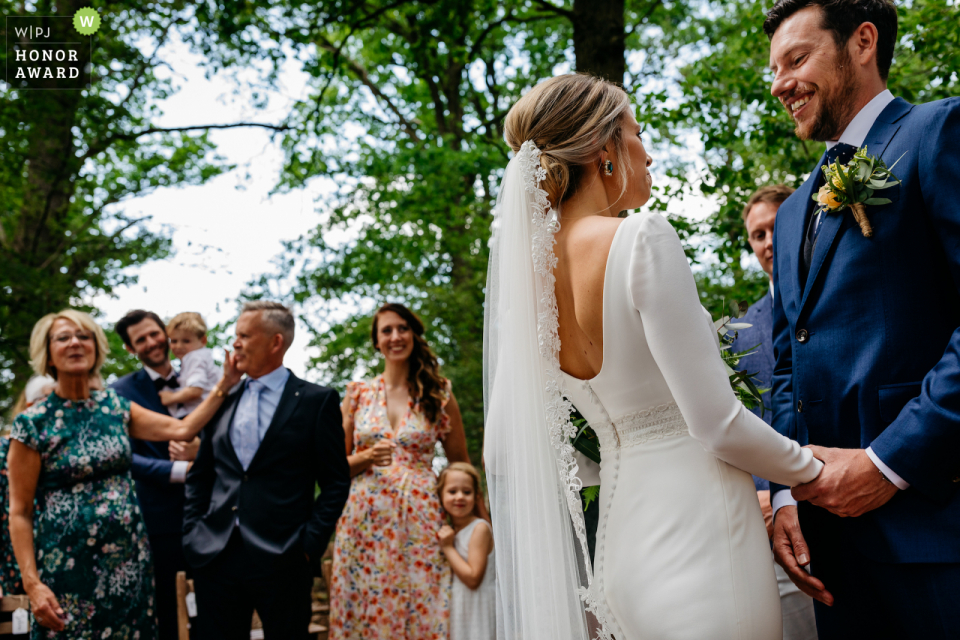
[{"x": 868, "y": 355}]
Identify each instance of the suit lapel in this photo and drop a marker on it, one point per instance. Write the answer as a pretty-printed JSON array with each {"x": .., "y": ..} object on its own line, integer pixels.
[
  {"x": 149, "y": 392},
  {"x": 287, "y": 405},
  {"x": 877, "y": 140},
  {"x": 797, "y": 210},
  {"x": 226, "y": 422}
]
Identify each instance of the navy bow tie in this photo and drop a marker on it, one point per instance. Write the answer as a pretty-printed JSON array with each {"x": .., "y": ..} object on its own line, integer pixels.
[
  {"x": 160, "y": 383},
  {"x": 840, "y": 151}
]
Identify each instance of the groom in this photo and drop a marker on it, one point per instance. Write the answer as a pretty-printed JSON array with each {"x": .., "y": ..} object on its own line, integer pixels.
[{"x": 867, "y": 336}]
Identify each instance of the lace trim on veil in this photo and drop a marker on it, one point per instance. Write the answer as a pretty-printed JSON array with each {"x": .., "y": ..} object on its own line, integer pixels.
[{"x": 558, "y": 408}]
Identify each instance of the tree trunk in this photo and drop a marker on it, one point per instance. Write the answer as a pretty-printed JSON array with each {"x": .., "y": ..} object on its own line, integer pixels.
[{"x": 599, "y": 38}]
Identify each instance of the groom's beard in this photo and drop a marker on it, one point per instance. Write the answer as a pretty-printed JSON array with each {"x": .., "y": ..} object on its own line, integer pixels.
[{"x": 836, "y": 105}]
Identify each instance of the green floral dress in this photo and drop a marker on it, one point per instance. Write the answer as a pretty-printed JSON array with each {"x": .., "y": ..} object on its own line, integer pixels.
[
  {"x": 91, "y": 543},
  {"x": 9, "y": 572}
]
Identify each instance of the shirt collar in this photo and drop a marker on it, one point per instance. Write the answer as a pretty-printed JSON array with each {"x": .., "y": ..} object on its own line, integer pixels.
[
  {"x": 154, "y": 375},
  {"x": 276, "y": 379},
  {"x": 856, "y": 132},
  {"x": 771, "y": 290}
]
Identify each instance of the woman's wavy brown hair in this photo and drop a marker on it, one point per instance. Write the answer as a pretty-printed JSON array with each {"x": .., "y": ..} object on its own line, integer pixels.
[{"x": 427, "y": 386}]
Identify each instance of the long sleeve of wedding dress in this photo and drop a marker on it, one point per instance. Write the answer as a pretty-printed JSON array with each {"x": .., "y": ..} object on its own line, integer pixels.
[{"x": 683, "y": 344}]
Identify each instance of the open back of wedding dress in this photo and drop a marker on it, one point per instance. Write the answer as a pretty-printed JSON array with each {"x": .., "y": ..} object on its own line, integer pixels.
[{"x": 681, "y": 548}]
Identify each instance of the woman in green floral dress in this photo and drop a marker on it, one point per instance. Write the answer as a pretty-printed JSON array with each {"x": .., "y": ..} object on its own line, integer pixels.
[{"x": 87, "y": 570}]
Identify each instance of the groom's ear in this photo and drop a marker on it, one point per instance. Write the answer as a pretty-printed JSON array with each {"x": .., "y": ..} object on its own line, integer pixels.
[{"x": 862, "y": 45}]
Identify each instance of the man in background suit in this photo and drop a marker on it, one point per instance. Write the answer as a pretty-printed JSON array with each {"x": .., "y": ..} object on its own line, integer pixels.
[
  {"x": 253, "y": 530},
  {"x": 759, "y": 216},
  {"x": 159, "y": 468}
]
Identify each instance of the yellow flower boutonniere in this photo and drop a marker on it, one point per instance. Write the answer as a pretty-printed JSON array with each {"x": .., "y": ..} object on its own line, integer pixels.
[{"x": 853, "y": 185}]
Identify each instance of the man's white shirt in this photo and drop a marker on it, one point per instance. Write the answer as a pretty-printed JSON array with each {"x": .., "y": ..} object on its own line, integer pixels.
[
  {"x": 178, "y": 473},
  {"x": 854, "y": 135}
]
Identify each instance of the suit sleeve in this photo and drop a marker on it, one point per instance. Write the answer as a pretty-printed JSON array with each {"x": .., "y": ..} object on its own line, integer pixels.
[
  {"x": 921, "y": 444},
  {"x": 151, "y": 470},
  {"x": 684, "y": 346},
  {"x": 200, "y": 479},
  {"x": 333, "y": 477},
  {"x": 781, "y": 394}
]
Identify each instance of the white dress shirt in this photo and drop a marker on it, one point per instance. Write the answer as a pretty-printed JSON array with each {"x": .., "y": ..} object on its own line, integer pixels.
[
  {"x": 854, "y": 135},
  {"x": 178, "y": 473}
]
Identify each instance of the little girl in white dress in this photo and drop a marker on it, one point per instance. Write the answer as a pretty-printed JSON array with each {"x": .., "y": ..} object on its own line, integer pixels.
[{"x": 468, "y": 545}]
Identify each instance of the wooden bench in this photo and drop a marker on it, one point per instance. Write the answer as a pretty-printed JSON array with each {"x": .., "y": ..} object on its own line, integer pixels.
[
  {"x": 9, "y": 604},
  {"x": 185, "y": 587}
]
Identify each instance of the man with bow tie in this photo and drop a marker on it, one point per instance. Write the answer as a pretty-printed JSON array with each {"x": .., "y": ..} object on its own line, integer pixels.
[{"x": 159, "y": 468}]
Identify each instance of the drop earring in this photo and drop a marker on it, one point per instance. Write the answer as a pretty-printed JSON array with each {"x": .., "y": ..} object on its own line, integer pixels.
[{"x": 608, "y": 168}]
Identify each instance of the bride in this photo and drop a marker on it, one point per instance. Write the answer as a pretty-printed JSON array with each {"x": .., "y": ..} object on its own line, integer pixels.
[{"x": 584, "y": 307}]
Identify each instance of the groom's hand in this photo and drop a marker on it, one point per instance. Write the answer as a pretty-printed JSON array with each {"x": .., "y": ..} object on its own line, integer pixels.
[
  {"x": 791, "y": 552},
  {"x": 849, "y": 484}
]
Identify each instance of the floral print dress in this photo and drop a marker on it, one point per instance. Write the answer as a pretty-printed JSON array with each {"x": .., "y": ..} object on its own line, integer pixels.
[
  {"x": 390, "y": 578},
  {"x": 10, "y": 581},
  {"x": 90, "y": 540}
]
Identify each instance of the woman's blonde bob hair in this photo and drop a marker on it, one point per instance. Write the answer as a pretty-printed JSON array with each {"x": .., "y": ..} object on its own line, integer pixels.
[
  {"x": 40, "y": 341},
  {"x": 571, "y": 119}
]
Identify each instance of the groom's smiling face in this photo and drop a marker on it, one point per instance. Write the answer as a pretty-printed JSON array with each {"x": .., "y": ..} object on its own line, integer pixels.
[{"x": 814, "y": 79}]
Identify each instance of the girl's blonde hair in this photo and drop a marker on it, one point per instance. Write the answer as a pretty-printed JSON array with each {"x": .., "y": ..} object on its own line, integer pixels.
[
  {"x": 40, "y": 341},
  {"x": 470, "y": 470},
  {"x": 571, "y": 118}
]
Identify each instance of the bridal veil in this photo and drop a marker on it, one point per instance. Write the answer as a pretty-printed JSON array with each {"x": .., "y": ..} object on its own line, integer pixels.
[{"x": 543, "y": 568}]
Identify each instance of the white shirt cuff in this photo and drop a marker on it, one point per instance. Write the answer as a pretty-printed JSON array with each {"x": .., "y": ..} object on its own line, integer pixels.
[
  {"x": 782, "y": 498},
  {"x": 887, "y": 471},
  {"x": 179, "y": 472}
]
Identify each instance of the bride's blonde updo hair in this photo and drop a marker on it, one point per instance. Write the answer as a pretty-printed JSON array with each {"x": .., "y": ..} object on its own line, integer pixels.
[{"x": 571, "y": 118}]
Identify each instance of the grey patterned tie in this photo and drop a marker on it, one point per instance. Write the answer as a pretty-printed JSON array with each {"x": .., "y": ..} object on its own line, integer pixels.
[{"x": 245, "y": 434}]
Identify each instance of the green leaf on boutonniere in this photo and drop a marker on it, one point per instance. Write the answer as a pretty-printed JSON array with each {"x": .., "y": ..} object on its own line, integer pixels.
[{"x": 876, "y": 201}]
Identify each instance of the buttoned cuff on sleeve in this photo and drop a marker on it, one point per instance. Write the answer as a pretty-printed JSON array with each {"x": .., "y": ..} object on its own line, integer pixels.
[
  {"x": 887, "y": 471},
  {"x": 782, "y": 498},
  {"x": 178, "y": 474}
]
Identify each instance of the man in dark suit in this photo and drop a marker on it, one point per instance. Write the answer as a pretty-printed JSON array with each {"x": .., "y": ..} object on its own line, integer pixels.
[
  {"x": 159, "y": 468},
  {"x": 867, "y": 335},
  {"x": 759, "y": 216},
  {"x": 253, "y": 530}
]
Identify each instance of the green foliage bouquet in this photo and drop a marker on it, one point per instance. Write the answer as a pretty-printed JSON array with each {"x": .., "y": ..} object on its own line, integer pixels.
[{"x": 853, "y": 186}]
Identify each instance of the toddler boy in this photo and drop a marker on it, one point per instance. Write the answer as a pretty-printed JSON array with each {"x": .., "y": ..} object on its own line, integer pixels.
[{"x": 198, "y": 372}]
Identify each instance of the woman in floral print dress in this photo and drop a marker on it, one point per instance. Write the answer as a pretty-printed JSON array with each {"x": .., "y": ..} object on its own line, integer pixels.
[
  {"x": 87, "y": 570},
  {"x": 390, "y": 578}
]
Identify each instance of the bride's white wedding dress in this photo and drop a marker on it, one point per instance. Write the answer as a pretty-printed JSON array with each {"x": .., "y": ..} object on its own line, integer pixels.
[{"x": 682, "y": 550}]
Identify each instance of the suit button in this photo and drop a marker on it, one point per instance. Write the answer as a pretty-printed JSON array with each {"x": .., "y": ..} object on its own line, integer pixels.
[
  {"x": 234, "y": 508},
  {"x": 799, "y": 406},
  {"x": 245, "y": 478},
  {"x": 802, "y": 336}
]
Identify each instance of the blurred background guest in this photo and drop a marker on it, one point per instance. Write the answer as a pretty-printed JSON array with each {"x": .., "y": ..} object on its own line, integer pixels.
[
  {"x": 390, "y": 578},
  {"x": 83, "y": 551},
  {"x": 759, "y": 216},
  {"x": 38, "y": 387},
  {"x": 467, "y": 542},
  {"x": 159, "y": 468},
  {"x": 255, "y": 527}
]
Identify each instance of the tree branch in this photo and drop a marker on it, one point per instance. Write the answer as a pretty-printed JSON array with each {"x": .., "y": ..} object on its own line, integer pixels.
[
  {"x": 364, "y": 77},
  {"x": 99, "y": 146},
  {"x": 552, "y": 8}
]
